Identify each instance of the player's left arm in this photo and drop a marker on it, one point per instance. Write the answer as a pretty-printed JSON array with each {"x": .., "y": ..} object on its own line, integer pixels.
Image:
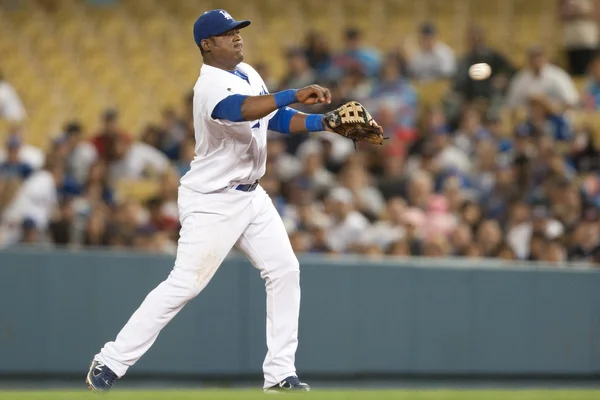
[{"x": 288, "y": 120}]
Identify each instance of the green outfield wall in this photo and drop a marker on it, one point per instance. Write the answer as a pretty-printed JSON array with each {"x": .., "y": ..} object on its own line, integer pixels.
[{"x": 388, "y": 317}]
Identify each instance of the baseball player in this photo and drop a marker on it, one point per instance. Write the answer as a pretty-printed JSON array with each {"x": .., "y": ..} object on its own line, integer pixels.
[{"x": 222, "y": 205}]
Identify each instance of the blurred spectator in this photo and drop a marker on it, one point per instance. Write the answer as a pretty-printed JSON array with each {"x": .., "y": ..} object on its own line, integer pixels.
[
  {"x": 367, "y": 199},
  {"x": 473, "y": 251},
  {"x": 505, "y": 252},
  {"x": 313, "y": 172},
  {"x": 391, "y": 183},
  {"x": 485, "y": 165},
  {"x": 368, "y": 60},
  {"x": 28, "y": 153},
  {"x": 470, "y": 130},
  {"x": 433, "y": 59},
  {"x": 62, "y": 224},
  {"x": 554, "y": 252},
  {"x": 399, "y": 248},
  {"x": 544, "y": 120},
  {"x": 283, "y": 164},
  {"x": 157, "y": 219},
  {"x": 13, "y": 167},
  {"x": 348, "y": 224},
  {"x": 437, "y": 247},
  {"x": 448, "y": 156},
  {"x": 395, "y": 96},
  {"x": 471, "y": 214},
  {"x": 521, "y": 235},
  {"x": 96, "y": 233},
  {"x": 585, "y": 245},
  {"x": 591, "y": 89},
  {"x": 30, "y": 233},
  {"x": 299, "y": 72},
  {"x": 489, "y": 237},
  {"x": 318, "y": 53},
  {"x": 460, "y": 239},
  {"x": 320, "y": 240},
  {"x": 542, "y": 78},
  {"x": 109, "y": 133},
  {"x": 173, "y": 132},
  {"x": 135, "y": 160},
  {"x": 81, "y": 154},
  {"x": 438, "y": 221},
  {"x": 265, "y": 73},
  {"x": 467, "y": 89},
  {"x": 187, "y": 152},
  {"x": 35, "y": 199},
  {"x": 580, "y": 32},
  {"x": 11, "y": 108},
  {"x": 389, "y": 229},
  {"x": 583, "y": 152},
  {"x": 420, "y": 188},
  {"x": 301, "y": 242}
]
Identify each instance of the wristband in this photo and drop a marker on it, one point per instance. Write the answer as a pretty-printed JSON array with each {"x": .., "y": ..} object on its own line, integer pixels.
[
  {"x": 285, "y": 98},
  {"x": 314, "y": 123}
]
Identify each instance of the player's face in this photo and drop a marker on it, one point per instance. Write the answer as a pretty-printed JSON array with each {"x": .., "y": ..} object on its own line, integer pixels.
[{"x": 229, "y": 46}]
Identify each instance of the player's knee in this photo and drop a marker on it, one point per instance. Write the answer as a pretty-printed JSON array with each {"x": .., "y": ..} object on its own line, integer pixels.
[
  {"x": 288, "y": 269},
  {"x": 185, "y": 287}
]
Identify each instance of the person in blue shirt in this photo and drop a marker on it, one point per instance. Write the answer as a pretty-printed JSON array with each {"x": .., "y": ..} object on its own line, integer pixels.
[
  {"x": 591, "y": 90},
  {"x": 543, "y": 120},
  {"x": 368, "y": 58},
  {"x": 13, "y": 167}
]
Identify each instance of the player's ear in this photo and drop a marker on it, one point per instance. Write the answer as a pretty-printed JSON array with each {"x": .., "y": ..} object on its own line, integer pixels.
[{"x": 206, "y": 45}]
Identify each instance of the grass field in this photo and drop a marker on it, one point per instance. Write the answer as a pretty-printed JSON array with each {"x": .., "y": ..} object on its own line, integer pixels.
[{"x": 315, "y": 395}]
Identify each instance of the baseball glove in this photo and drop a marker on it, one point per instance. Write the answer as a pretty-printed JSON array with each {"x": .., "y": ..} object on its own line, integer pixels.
[{"x": 353, "y": 121}]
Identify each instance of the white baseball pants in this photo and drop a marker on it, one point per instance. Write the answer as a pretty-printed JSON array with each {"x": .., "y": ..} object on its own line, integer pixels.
[{"x": 211, "y": 224}]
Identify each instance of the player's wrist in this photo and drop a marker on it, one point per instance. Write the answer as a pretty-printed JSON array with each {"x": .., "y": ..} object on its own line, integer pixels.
[
  {"x": 285, "y": 98},
  {"x": 314, "y": 123}
]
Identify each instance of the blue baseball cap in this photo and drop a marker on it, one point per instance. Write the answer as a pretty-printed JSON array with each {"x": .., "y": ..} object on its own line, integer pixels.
[{"x": 215, "y": 22}]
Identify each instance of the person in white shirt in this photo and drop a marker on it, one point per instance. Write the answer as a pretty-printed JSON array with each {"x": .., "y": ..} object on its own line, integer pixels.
[
  {"x": 136, "y": 161},
  {"x": 81, "y": 153},
  {"x": 222, "y": 205},
  {"x": 433, "y": 59},
  {"x": 28, "y": 154},
  {"x": 519, "y": 236},
  {"x": 35, "y": 199},
  {"x": 11, "y": 107},
  {"x": 368, "y": 199},
  {"x": 542, "y": 78},
  {"x": 448, "y": 156},
  {"x": 389, "y": 229},
  {"x": 348, "y": 225}
]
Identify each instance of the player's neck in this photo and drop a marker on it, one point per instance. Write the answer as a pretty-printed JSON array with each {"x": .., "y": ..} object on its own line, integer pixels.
[{"x": 215, "y": 64}]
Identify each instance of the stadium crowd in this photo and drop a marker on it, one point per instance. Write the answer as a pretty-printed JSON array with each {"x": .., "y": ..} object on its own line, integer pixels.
[{"x": 454, "y": 179}]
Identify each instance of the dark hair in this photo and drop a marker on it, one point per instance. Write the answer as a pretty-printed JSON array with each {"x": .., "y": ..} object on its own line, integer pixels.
[
  {"x": 73, "y": 128},
  {"x": 352, "y": 33}
]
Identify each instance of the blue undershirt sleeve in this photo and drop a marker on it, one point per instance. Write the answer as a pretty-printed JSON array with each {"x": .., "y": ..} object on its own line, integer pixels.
[
  {"x": 230, "y": 108},
  {"x": 281, "y": 120}
]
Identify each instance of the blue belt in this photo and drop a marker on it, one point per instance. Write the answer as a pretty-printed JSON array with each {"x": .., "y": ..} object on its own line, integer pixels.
[{"x": 247, "y": 187}]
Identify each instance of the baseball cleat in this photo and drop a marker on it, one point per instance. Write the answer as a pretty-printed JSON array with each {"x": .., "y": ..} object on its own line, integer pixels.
[
  {"x": 289, "y": 384},
  {"x": 100, "y": 378}
]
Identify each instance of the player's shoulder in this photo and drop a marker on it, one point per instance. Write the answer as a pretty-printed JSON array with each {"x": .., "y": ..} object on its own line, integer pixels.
[
  {"x": 248, "y": 70},
  {"x": 211, "y": 78}
]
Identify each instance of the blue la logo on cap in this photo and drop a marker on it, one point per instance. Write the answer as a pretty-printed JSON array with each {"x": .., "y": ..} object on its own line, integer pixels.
[{"x": 215, "y": 22}]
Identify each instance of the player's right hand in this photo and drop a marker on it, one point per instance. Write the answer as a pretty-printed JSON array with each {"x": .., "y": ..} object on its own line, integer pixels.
[{"x": 313, "y": 94}]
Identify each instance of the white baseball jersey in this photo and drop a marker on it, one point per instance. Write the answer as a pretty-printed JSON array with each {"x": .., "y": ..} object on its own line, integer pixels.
[{"x": 226, "y": 152}]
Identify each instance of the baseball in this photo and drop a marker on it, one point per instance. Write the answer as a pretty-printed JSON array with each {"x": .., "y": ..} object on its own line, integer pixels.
[{"x": 480, "y": 71}]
